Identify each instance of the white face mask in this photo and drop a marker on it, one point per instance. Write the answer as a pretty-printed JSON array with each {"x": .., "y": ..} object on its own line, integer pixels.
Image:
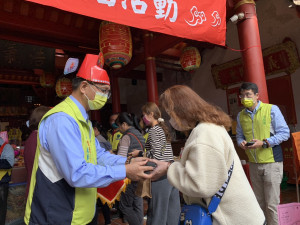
[{"x": 98, "y": 102}]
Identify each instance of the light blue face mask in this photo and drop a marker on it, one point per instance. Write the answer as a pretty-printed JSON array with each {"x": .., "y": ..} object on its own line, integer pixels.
[
  {"x": 27, "y": 123},
  {"x": 114, "y": 126}
]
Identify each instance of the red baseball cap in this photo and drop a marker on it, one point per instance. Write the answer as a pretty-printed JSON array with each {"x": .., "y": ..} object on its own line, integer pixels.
[{"x": 89, "y": 70}]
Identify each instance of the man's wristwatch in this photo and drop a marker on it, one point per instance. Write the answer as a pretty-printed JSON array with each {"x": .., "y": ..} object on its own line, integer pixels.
[{"x": 265, "y": 144}]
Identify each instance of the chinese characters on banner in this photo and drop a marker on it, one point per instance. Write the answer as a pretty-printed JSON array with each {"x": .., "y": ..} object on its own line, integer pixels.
[
  {"x": 278, "y": 58},
  {"x": 203, "y": 20}
]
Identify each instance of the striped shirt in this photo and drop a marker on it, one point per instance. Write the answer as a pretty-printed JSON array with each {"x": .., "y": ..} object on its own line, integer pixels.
[
  {"x": 123, "y": 145},
  {"x": 156, "y": 146}
]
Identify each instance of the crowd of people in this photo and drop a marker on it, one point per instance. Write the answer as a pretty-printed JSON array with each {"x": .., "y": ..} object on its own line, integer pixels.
[{"x": 67, "y": 157}]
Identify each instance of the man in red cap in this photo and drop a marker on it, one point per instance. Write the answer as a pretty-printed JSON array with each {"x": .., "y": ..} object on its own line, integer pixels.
[{"x": 69, "y": 162}]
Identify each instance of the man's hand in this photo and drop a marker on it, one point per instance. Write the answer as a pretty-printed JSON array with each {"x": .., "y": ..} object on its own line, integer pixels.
[
  {"x": 160, "y": 170},
  {"x": 139, "y": 159},
  {"x": 243, "y": 145},
  {"x": 136, "y": 169},
  {"x": 257, "y": 144}
]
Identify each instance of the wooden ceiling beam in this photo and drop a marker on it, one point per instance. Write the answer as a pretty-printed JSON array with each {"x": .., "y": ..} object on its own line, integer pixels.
[
  {"x": 13, "y": 21},
  {"x": 26, "y": 39},
  {"x": 134, "y": 62},
  {"x": 161, "y": 43},
  {"x": 18, "y": 82},
  {"x": 140, "y": 75}
]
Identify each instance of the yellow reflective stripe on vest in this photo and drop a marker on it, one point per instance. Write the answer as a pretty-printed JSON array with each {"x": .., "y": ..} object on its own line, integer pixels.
[
  {"x": 146, "y": 136},
  {"x": 85, "y": 198},
  {"x": 114, "y": 139},
  {"x": 259, "y": 129},
  {"x": 4, "y": 172}
]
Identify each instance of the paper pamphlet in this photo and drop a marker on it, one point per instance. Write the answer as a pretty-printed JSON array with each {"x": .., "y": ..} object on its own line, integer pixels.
[{"x": 289, "y": 214}]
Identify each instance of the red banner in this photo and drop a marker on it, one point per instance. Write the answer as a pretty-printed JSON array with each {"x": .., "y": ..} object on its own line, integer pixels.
[{"x": 198, "y": 20}]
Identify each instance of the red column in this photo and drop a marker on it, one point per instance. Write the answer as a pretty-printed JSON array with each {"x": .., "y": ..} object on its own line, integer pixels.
[
  {"x": 95, "y": 115},
  {"x": 150, "y": 69},
  {"x": 249, "y": 39},
  {"x": 115, "y": 94}
]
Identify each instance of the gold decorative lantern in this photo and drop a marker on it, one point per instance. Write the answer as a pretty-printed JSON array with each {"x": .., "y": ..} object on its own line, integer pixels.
[
  {"x": 63, "y": 87},
  {"x": 115, "y": 44}
]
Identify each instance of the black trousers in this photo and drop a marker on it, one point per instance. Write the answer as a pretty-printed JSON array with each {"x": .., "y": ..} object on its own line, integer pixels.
[
  {"x": 105, "y": 211},
  {"x": 3, "y": 202},
  {"x": 132, "y": 205}
]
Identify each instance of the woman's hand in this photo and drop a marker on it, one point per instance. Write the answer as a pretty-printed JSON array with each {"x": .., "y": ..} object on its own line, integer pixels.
[
  {"x": 160, "y": 170},
  {"x": 135, "y": 153}
]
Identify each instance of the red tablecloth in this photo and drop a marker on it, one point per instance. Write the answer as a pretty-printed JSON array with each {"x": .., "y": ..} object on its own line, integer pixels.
[{"x": 112, "y": 192}]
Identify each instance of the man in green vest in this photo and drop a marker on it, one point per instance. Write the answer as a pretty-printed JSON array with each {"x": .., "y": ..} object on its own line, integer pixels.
[
  {"x": 69, "y": 163},
  {"x": 114, "y": 135},
  {"x": 260, "y": 130}
]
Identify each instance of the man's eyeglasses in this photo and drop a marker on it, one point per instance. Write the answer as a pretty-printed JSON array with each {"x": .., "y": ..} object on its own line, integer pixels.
[
  {"x": 104, "y": 91},
  {"x": 246, "y": 95}
]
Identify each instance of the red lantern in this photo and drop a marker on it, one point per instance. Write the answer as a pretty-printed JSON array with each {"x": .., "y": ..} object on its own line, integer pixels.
[
  {"x": 115, "y": 44},
  {"x": 190, "y": 59},
  {"x": 47, "y": 80},
  {"x": 63, "y": 87}
]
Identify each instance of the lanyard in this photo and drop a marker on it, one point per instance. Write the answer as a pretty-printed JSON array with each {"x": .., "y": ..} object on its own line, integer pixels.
[{"x": 216, "y": 199}]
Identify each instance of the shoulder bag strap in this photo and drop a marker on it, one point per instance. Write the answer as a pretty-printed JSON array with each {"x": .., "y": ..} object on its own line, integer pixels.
[
  {"x": 2, "y": 147},
  {"x": 216, "y": 199}
]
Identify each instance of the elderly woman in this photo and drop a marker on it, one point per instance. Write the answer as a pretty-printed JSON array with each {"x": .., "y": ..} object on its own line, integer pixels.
[{"x": 207, "y": 156}]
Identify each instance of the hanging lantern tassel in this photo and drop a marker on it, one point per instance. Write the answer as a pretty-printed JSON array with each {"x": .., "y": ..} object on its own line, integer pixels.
[
  {"x": 63, "y": 87},
  {"x": 115, "y": 44},
  {"x": 190, "y": 59}
]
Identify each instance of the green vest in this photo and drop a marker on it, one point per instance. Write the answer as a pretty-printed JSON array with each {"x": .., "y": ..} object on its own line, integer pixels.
[
  {"x": 85, "y": 198},
  {"x": 114, "y": 139},
  {"x": 259, "y": 129}
]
